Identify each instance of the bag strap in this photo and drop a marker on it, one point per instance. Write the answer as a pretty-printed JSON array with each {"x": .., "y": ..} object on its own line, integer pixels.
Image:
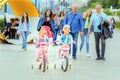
[{"x": 72, "y": 19}]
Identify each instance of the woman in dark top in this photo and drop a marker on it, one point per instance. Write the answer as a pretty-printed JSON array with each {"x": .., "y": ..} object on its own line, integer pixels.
[
  {"x": 14, "y": 28},
  {"x": 48, "y": 23},
  {"x": 8, "y": 29}
]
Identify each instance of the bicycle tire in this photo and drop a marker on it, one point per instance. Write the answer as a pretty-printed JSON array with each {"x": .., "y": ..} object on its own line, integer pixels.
[
  {"x": 47, "y": 66},
  {"x": 40, "y": 66},
  {"x": 43, "y": 63},
  {"x": 65, "y": 67},
  {"x": 32, "y": 67},
  {"x": 54, "y": 66}
]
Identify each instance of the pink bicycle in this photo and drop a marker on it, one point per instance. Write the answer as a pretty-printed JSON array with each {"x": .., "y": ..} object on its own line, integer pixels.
[{"x": 43, "y": 56}]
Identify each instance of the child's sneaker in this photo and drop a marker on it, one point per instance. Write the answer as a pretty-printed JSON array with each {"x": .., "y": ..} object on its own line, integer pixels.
[
  {"x": 25, "y": 49},
  {"x": 37, "y": 60}
]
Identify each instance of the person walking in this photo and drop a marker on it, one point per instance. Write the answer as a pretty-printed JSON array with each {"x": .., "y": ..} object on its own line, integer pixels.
[
  {"x": 112, "y": 25},
  {"x": 7, "y": 31},
  {"x": 61, "y": 17},
  {"x": 24, "y": 29},
  {"x": 75, "y": 21},
  {"x": 57, "y": 25},
  {"x": 96, "y": 19},
  {"x": 47, "y": 22},
  {"x": 85, "y": 32}
]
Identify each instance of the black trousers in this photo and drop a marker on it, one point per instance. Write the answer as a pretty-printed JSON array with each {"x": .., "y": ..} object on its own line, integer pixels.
[
  {"x": 7, "y": 33},
  {"x": 13, "y": 32},
  {"x": 99, "y": 36}
]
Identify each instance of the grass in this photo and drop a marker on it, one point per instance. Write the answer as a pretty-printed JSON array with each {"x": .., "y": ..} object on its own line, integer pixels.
[
  {"x": 1, "y": 23},
  {"x": 117, "y": 25}
]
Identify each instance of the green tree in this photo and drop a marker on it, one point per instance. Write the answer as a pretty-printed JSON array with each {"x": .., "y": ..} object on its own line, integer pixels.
[
  {"x": 93, "y": 1},
  {"x": 107, "y": 3},
  {"x": 107, "y": 11},
  {"x": 1, "y": 23},
  {"x": 118, "y": 13},
  {"x": 94, "y": 4}
]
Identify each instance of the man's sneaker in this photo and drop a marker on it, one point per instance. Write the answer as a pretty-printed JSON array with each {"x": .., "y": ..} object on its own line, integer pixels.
[
  {"x": 102, "y": 58},
  {"x": 98, "y": 58},
  {"x": 74, "y": 58}
]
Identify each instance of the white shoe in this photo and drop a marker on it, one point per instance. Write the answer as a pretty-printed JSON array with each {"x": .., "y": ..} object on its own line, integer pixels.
[
  {"x": 80, "y": 54},
  {"x": 69, "y": 62},
  {"x": 25, "y": 49},
  {"x": 70, "y": 57},
  {"x": 88, "y": 55}
]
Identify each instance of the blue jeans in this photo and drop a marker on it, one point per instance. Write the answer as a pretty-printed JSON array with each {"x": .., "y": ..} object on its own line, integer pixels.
[
  {"x": 74, "y": 50},
  {"x": 24, "y": 38},
  {"x": 55, "y": 35},
  {"x": 83, "y": 40},
  {"x": 56, "y": 32},
  {"x": 111, "y": 29}
]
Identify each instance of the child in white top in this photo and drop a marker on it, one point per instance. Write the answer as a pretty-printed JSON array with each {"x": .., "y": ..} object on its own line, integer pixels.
[{"x": 65, "y": 39}]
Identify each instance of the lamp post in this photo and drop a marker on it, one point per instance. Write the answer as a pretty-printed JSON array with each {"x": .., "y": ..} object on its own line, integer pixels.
[
  {"x": 64, "y": 4},
  {"x": 36, "y": 4},
  {"x": 46, "y": 4},
  {"x": 51, "y": 4},
  {"x": 5, "y": 11}
]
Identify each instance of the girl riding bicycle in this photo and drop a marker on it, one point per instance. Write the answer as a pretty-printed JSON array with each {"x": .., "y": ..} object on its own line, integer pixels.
[{"x": 41, "y": 40}]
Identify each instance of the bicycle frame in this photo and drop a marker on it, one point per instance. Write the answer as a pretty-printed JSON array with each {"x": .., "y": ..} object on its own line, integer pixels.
[
  {"x": 43, "y": 50},
  {"x": 64, "y": 51}
]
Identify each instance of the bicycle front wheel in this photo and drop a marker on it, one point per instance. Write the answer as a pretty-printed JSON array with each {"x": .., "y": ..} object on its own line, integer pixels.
[
  {"x": 65, "y": 64},
  {"x": 43, "y": 63}
]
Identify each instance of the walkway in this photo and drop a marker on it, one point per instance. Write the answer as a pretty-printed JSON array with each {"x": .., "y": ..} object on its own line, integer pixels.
[{"x": 15, "y": 64}]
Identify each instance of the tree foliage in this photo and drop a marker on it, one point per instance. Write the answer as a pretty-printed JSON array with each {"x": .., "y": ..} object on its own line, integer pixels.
[
  {"x": 1, "y": 23},
  {"x": 107, "y": 11},
  {"x": 106, "y": 3},
  {"x": 118, "y": 13},
  {"x": 114, "y": 3}
]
